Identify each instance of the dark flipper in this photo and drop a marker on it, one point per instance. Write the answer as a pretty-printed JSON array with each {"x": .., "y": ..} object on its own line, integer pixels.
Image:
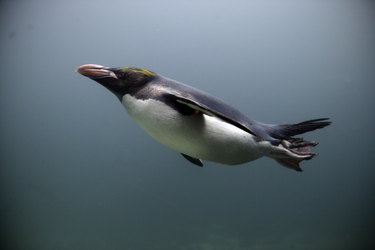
[
  {"x": 193, "y": 160},
  {"x": 211, "y": 107}
]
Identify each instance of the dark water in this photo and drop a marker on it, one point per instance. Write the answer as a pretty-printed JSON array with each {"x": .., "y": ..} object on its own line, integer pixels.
[{"x": 77, "y": 173}]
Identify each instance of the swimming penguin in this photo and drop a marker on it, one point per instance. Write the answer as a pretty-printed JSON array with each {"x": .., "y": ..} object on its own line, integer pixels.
[{"x": 198, "y": 125}]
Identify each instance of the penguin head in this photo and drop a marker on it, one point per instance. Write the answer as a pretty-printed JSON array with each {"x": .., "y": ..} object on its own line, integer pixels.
[{"x": 118, "y": 80}]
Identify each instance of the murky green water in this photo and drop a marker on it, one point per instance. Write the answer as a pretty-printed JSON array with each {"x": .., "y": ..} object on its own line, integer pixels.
[{"x": 77, "y": 173}]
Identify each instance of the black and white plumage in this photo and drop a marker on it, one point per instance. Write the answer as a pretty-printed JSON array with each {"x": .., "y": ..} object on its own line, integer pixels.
[{"x": 198, "y": 125}]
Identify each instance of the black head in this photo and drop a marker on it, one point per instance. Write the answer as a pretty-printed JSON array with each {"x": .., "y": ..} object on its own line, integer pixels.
[{"x": 120, "y": 80}]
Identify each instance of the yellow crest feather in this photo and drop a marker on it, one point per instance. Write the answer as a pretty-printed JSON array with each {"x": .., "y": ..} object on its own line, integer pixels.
[{"x": 142, "y": 71}]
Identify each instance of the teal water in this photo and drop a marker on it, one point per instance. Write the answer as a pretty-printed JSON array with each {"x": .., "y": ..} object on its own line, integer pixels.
[{"x": 77, "y": 173}]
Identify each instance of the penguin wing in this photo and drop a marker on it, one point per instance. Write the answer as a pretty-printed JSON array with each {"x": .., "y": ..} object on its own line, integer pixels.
[
  {"x": 199, "y": 102},
  {"x": 193, "y": 160}
]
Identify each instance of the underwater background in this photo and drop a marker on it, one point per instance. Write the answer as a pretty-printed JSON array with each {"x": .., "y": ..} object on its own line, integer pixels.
[{"x": 76, "y": 172}]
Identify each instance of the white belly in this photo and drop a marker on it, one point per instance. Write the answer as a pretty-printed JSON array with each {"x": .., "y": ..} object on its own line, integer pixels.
[{"x": 201, "y": 136}]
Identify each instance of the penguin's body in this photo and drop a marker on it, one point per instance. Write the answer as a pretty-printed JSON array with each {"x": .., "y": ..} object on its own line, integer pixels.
[
  {"x": 200, "y": 136},
  {"x": 198, "y": 125}
]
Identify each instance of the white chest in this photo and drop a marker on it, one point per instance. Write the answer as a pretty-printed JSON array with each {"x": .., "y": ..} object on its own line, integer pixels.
[{"x": 200, "y": 136}]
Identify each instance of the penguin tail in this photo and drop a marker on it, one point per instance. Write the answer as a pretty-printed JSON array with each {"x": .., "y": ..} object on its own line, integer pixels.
[
  {"x": 289, "y": 130},
  {"x": 291, "y": 150}
]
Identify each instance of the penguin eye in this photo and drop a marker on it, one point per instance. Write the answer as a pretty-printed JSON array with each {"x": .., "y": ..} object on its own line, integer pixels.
[
  {"x": 133, "y": 75},
  {"x": 128, "y": 76},
  {"x": 136, "y": 75},
  {"x": 121, "y": 74}
]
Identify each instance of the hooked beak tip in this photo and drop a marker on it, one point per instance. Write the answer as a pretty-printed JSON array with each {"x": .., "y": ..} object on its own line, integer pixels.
[{"x": 95, "y": 71}]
